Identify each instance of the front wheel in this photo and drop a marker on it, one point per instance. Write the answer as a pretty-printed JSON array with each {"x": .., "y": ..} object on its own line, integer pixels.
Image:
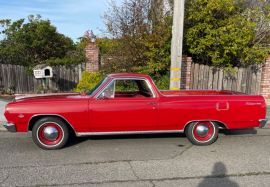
[
  {"x": 50, "y": 133},
  {"x": 202, "y": 133}
]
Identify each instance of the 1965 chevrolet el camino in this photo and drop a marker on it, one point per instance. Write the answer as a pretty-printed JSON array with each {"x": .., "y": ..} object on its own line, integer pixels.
[{"x": 132, "y": 104}]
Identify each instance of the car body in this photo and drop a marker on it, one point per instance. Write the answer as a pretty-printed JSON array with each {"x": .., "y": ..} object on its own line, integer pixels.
[{"x": 128, "y": 103}]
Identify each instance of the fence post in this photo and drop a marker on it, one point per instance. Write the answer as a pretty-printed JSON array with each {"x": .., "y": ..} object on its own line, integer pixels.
[
  {"x": 265, "y": 79},
  {"x": 186, "y": 73}
]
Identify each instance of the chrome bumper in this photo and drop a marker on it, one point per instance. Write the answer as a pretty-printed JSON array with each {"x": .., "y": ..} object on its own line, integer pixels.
[
  {"x": 263, "y": 122},
  {"x": 10, "y": 127}
]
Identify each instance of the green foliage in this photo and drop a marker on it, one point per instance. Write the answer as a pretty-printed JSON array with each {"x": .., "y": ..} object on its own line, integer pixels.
[
  {"x": 158, "y": 49},
  {"x": 35, "y": 41},
  {"x": 126, "y": 86},
  {"x": 222, "y": 33},
  {"x": 7, "y": 91},
  {"x": 141, "y": 38},
  {"x": 88, "y": 81},
  {"x": 108, "y": 45},
  {"x": 71, "y": 57},
  {"x": 149, "y": 54},
  {"x": 162, "y": 82}
]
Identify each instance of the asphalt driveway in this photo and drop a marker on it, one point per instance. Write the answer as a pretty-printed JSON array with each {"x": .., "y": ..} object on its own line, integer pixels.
[{"x": 241, "y": 158}]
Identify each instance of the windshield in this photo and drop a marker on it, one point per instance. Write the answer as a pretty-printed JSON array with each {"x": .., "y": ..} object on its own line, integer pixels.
[{"x": 90, "y": 92}]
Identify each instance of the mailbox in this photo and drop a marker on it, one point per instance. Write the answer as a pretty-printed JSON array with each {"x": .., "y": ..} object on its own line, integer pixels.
[{"x": 43, "y": 71}]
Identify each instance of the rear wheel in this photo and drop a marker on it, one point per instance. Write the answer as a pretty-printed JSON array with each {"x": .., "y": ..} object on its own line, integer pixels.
[
  {"x": 202, "y": 133},
  {"x": 50, "y": 133}
]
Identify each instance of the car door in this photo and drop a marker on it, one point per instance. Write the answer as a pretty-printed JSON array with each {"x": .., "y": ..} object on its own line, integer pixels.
[{"x": 124, "y": 107}]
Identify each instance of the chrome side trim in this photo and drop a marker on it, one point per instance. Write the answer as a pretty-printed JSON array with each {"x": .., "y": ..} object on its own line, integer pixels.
[
  {"x": 127, "y": 132},
  {"x": 127, "y": 78},
  {"x": 50, "y": 115}
]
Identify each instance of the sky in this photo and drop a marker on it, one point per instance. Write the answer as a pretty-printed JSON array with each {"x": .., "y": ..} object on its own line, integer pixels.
[{"x": 71, "y": 17}]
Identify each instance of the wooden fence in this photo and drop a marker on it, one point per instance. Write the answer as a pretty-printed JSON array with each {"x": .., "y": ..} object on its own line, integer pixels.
[
  {"x": 18, "y": 79},
  {"x": 245, "y": 80}
]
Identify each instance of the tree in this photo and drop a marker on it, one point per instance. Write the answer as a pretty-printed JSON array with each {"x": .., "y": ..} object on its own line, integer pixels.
[
  {"x": 141, "y": 29},
  {"x": 35, "y": 41},
  {"x": 226, "y": 33},
  {"x": 259, "y": 13}
]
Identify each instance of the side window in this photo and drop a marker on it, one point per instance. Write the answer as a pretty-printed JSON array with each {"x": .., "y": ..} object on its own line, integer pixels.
[
  {"x": 126, "y": 88},
  {"x": 144, "y": 88},
  {"x": 132, "y": 88},
  {"x": 109, "y": 92}
]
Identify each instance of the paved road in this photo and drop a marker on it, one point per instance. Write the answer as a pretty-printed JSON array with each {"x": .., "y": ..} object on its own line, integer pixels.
[{"x": 238, "y": 159}]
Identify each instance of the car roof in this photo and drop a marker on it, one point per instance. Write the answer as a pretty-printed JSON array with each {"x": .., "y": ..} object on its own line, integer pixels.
[{"x": 128, "y": 75}]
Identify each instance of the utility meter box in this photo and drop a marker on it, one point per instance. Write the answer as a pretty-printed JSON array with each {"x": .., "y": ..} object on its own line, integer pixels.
[{"x": 42, "y": 71}]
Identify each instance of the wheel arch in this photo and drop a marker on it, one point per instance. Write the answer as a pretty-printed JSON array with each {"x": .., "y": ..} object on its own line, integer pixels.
[
  {"x": 35, "y": 118},
  {"x": 220, "y": 124}
]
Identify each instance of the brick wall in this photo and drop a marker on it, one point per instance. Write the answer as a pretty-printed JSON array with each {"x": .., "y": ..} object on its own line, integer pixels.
[
  {"x": 92, "y": 55},
  {"x": 265, "y": 80}
]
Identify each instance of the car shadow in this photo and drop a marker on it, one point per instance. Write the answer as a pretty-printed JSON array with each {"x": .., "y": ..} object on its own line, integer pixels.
[
  {"x": 238, "y": 131},
  {"x": 138, "y": 136},
  {"x": 73, "y": 140}
]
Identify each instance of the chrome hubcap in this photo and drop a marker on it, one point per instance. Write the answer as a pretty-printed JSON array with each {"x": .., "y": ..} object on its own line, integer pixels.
[
  {"x": 202, "y": 130},
  {"x": 50, "y": 133}
]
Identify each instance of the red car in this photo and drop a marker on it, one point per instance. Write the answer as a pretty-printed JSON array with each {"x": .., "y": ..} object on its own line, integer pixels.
[{"x": 132, "y": 104}]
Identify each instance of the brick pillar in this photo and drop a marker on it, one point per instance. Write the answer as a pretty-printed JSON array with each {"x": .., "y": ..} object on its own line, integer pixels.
[
  {"x": 92, "y": 56},
  {"x": 186, "y": 73},
  {"x": 265, "y": 80}
]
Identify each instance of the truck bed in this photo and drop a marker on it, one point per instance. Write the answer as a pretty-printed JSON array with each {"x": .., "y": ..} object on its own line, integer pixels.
[{"x": 199, "y": 92}]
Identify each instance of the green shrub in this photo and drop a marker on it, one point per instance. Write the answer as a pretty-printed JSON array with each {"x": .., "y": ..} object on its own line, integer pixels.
[
  {"x": 88, "y": 81},
  {"x": 162, "y": 82}
]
